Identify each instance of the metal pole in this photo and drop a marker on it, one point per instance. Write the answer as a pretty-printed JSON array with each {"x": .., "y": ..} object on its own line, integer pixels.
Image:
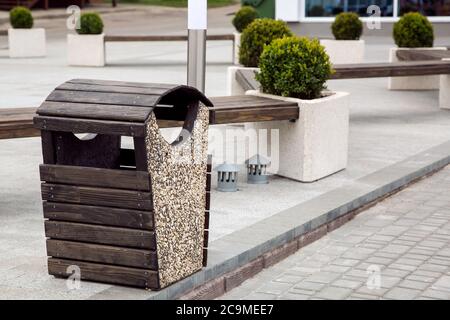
[{"x": 197, "y": 21}]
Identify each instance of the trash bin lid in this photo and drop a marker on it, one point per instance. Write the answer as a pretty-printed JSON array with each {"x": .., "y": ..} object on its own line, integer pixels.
[{"x": 112, "y": 107}]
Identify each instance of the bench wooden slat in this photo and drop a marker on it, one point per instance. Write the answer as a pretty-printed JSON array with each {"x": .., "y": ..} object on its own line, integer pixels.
[
  {"x": 88, "y": 252},
  {"x": 95, "y": 177},
  {"x": 396, "y": 69},
  {"x": 106, "y": 216},
  {"x": 145, "y": 38},
  {"x": 115, "y": 83},
  {"x": 110, "y": 89},
  {"x": 422, "y": 55},
  {"x": 97, "y": 234}
]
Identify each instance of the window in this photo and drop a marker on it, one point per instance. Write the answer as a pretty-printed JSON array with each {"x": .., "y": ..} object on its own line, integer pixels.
[{"x": 330, "y": 8}]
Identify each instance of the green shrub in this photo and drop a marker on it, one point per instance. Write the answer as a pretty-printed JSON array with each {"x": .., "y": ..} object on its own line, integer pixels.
[
  {"x": 21, "y": 18},
  {"x": 244, "y": 17},
  {"x": 413, "y": 30},
  {"x": 259, "y": 33},
  {"x": 294, "y": 67},
  {"x": 347, "y": 26},
  {"x": 90, "y": 23}
]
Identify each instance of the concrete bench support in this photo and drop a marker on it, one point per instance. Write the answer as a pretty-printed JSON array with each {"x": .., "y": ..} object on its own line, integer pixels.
[{"x": 444, "y": 90}]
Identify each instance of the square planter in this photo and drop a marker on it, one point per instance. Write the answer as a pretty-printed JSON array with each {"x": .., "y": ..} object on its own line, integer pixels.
[
  {"x": 316, "y": 145},
  {"x": 444, "y": 90},
  {"x": 414, "y": 82},
  {"x": 87, "y": 50},
  {"x": 26, "y": 43},
  {"x": 344, "y": 51}
]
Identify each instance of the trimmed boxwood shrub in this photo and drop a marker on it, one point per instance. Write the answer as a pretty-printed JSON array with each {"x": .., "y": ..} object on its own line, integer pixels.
[
  {"x": 347, "y": 26},
  {"x": 21, "y": 18},
  {"x": 413, "y": 30},
  {"x": 259, "y": 33},
  {"x": 244, "y": 17},
  {"x": 295, "y": 67},
  {"x": 90, "y": 23}
]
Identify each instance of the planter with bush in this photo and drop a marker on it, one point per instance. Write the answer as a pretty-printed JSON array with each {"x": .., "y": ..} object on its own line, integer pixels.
[
  {"x": 347, "y": 47},
  {"x": 87, "y": 47},
  {"x": 413, "y": 32},
  {"x": 316, "y": 145},
  {"x": 241, "y": 20},
  {"x": 25, "y": 41},
  {"x": 254, "y": 37}
]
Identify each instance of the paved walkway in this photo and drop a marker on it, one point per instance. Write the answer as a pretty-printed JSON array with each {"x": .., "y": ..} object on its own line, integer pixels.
[{"x": 398, "y": 249}]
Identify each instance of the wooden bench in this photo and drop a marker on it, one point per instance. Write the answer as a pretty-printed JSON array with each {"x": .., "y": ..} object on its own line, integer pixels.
[
  {"x": 422, "y": 55},
  {"x": 164, "y": 38}
]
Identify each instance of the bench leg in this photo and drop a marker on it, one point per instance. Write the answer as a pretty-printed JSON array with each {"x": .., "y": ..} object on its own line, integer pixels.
[{"x": 444, "y": 92}]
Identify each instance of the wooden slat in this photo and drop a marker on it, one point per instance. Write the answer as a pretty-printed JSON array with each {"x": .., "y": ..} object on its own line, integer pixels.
[
  {"x": 94, "y": 111},
  {"x": 97, "y": 196},
  {"x": 123, "y": 237},
  {"x": 84, "y": 176},
  {"x": 105, "y": 98},
  {"x": 118, "y": 256},
  {"x": 124, "y": 83},
  {"x": 107, "y": 216},
  {"x": 105, "y": 273},
  {"x": 77, "y": 125},
  {"x": 397, "y": 69},
  {"x": 3, "y": 32},
  {"x": 422, "y": 55},
  {"x": 246, "y": 79},
  {"x": 68, "y": 86},
  {"x": 17, "y": 123},
  {"x": 145, "y": 38},
  {"x": 255, "y": 115}
]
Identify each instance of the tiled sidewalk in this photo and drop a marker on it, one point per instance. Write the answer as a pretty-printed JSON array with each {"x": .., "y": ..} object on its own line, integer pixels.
[{"x": 398, "y": 249}]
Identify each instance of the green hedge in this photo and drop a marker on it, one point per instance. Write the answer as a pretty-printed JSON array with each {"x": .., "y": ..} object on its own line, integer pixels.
[
  {"x": 21, "y": 18},
  {"x": 90, "y": 23},
  {"x": 413, "y": 30},
  {"x": 294, "y": 67},
  {"x": 259, "y": 33},
  {"x": 244, "y": 17},
  {"x": 347, "y": 26}
]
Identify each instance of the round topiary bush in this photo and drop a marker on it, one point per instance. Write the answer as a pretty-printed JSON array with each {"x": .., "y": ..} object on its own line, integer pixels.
[
  {"x": 294, "y": 67},
  {"x": 347, "y": 26},
  {"x": 244, "y": 17},
  {"x": 90, "y": 23},
  {"x": 259, "y": 33},
  {"x": 413, "y": 30},
  {"x": 21, "y": 18}
]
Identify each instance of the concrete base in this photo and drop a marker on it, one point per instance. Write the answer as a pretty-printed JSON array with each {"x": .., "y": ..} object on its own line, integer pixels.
[
  {"x": 237, "y": 45},
  {"x": 316, "y": 145},
  {"x": 26, "y": 43},
  {"x": 86, "y": 50},
  {"x": 444, "y": 90},
  {"x": 233, "y": 87},
  {"x": 415, "y": 82},
  {"x": 344, "y": 51}
]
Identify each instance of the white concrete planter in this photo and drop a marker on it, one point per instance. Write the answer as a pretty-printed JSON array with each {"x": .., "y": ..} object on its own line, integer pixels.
[
  {"x": 344, "y": 51},
  {"x": 414, "y": 82},
  {"x": 316, "y": 145},
  {"x": 26, "y": 43},
  {"x": 233, "y": 87},
  {"x": 237, "y": 45},
  {"x": 86, "y": 50},
  {"x": 444, "y": 90}
]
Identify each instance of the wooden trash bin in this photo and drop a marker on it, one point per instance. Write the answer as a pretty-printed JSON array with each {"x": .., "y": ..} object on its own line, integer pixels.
[{"x": 136, "y": 217}]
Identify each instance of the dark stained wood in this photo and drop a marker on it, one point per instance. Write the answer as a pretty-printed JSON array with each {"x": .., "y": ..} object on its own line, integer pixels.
[
  {"x": 17, "y": 123},
  {"x": 205, "y": 257},
  {"x": 88, "y": 233},
  {"x": 94, "y": 87},
  {"x": 107, "y": 216},
  {"x": 118, "y": 256},
  {"x": 76, "y": 125},
  {"x": 232, "y": 115},
  {"x": 106, "y": 273},
  {"x": 48, "y": 148},
  {"x": 145, "y": 38},
  {"x": 123, "y": 83},
  {"x": 83, "y": 176},
  {"x": 422, "y": 55},
  {"x": 3, "y": 32},
  {"x": 106, "y": 98},
  {"x": 140, "y": 150},
  {"x": 396, "y": 69},
  {"x": 208, "y": 200},
  {"x": 94, "y": 111},
  {"x": 116, "y": 198}
]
